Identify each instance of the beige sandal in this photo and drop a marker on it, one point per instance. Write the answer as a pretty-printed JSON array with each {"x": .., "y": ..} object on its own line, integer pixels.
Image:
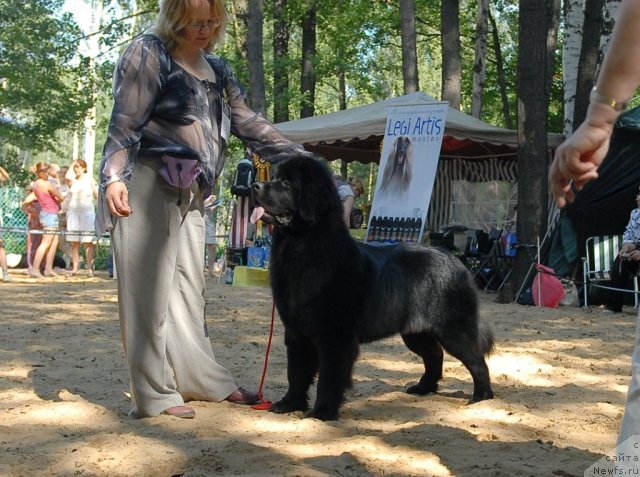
[{"x": 183, "y": 412}]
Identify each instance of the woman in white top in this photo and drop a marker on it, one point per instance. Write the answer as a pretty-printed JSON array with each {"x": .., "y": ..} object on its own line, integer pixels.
[
  {"x": 80, "y": 204},
  {"x": 348, "y": 191}
]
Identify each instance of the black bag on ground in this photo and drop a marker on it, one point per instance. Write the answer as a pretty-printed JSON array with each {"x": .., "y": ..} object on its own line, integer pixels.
[{"x": 526, "y": 297}]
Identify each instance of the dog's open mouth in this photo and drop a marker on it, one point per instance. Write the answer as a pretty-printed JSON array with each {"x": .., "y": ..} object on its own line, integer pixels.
[{"x": 259, "y": 213}]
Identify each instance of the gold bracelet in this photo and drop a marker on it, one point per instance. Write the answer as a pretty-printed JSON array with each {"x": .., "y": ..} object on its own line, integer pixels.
[{"x": 596, "y": 97}]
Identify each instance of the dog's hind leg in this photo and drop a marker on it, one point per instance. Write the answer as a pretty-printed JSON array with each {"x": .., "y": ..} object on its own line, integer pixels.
[
  {"x": 469, "y": 352},
  {"x": 427, "y": 347},
  {"x": 337, "y": 358},
  {"x": 302, "y": 365}
]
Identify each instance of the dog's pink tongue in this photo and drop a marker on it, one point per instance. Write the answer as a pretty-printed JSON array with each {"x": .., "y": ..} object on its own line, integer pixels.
[{"x": 256, "y": 214}]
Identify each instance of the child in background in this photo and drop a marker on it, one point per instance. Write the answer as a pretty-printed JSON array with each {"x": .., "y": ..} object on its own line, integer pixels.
[{"x": 32, "y": 209}]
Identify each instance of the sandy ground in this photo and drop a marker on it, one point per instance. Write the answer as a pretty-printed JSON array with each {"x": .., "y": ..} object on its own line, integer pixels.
[{"x": 560, "y": 377}]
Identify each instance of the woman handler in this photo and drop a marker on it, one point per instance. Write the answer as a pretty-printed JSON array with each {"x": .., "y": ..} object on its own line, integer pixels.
[{"x": 175, "y": 106}]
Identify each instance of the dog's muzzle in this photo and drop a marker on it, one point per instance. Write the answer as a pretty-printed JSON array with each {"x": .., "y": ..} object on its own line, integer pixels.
[{"x": 260, "y": 213}]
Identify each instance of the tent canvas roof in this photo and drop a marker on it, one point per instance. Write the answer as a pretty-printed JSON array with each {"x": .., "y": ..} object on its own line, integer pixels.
[{"x": 355, "y": 133}]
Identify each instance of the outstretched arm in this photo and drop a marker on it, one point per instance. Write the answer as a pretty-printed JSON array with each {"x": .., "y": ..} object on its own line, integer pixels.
[{"x": 577, "y": 159}]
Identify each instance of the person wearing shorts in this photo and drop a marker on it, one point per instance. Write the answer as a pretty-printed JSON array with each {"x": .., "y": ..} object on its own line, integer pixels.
[{"x": 49, "y": 199}]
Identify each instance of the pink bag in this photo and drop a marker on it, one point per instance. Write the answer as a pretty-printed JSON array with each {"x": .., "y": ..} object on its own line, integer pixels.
[
  {"x": 547, "y": 289},
  {"x": 178, "y": 171}
]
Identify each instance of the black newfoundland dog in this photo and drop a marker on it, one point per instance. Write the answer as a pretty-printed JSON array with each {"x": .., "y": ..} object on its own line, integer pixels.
[{"x": 333, "y": 293}]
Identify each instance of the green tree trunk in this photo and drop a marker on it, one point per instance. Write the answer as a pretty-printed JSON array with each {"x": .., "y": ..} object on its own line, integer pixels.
[
  {"x": 451, "y": 56},
  {"x": 409, "y": 55},
  {"x": 280, "y": 62},
  {"x": 308, "y": 72},
  {"x": 533, "y": 98}
]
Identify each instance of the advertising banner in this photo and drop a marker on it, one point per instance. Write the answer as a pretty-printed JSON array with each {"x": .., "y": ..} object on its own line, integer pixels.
[{"x": 408, "y": 163}]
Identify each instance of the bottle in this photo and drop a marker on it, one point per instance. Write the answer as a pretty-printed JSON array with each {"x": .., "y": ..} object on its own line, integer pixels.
[
  {"x": 402, "y": 229},
  {"x": 418, "y": 229},
  {"x": 411, "y": 223},
  {"x": 510, "y": 249},
  {"x": 378, "y": 230},
  {"x": 372, "y": 229},
  {"x": 388, "y": 229},
  {"x": 228, "y": 276},
  {"x": 508, "y": 240},
  {"x": 383, "y": 229},
  {"x": 473, "y": 245},
  {"x": 395, "y": 228}
]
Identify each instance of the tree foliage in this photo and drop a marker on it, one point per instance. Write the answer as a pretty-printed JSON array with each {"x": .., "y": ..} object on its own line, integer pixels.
[
  {"x": 356, "y": 39},
  {"x": 358, "y": 45},
  {"x": 46, "y": 86}
]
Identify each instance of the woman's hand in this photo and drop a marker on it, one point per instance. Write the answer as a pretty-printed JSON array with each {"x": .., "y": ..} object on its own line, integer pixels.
[
  {"x": 117, "y": 198},
  {"x": 627, "y": 248},
  {"x": 577, "y": 159},
  {"x": 635, "y": 256}
]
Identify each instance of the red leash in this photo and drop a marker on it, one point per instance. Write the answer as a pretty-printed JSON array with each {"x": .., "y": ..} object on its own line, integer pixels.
[{"x": 265, "y": 405}]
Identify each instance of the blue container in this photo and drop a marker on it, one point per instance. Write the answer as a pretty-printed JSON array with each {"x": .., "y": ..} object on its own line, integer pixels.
[
  {"x": 255, "y": 257},
  {"x": 510, "y": 241}
]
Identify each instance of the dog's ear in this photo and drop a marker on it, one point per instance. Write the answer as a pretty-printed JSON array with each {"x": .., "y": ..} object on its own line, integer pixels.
[
  {"x": 309, "y": 196},
  {"x": 316, "y": 190},
  {"x": 307, "y": 207}
]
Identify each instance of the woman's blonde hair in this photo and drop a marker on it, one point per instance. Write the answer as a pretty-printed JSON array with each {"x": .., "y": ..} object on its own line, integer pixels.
[
  {"x": 175, "y": 15},
  {"x": 41, "y": 167}
]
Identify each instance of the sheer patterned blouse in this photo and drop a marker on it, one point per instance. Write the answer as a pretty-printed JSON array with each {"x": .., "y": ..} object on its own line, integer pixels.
[{"x": 160, "y": 108}]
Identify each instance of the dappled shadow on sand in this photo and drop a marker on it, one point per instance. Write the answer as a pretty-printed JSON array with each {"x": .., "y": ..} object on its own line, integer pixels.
[{"x": 559, "y": 376}]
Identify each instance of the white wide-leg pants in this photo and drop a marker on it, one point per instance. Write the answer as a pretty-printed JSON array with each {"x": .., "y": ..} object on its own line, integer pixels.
[{"x": 159, "y": 252}]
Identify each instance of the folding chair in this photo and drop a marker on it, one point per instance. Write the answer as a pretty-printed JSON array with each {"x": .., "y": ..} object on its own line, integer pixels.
[
  {"x": 476, "y": 258},
  {"x": 601, "y": 252},
  {"x": 494, "y": 268}
]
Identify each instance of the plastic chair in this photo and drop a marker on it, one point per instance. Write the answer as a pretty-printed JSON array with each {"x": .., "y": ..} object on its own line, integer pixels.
[{"x": 601, "y": 253}]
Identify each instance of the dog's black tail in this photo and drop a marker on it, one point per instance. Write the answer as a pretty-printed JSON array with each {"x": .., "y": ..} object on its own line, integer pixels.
[{"x": 485, "y": 339}]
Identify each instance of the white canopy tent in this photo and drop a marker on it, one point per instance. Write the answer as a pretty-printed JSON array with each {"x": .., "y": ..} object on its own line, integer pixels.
[
  {"x": 355, "y": 133},
  {"x": 472, "y": 150}
]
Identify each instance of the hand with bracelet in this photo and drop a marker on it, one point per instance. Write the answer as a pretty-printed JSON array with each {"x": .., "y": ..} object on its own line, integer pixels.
[{"x": 577, "y": 159}]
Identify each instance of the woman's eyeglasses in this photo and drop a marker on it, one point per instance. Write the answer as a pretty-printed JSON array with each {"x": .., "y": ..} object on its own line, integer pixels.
[{"x": 199, "y": 26}]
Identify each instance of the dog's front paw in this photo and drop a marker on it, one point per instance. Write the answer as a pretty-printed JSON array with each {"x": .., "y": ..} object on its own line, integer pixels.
[
  {"x": 422, "y": 389},
  {"x": 284, "y": 406},
  {"x": 488, "y": 394},
  {"x": 323, "y": 414}
]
